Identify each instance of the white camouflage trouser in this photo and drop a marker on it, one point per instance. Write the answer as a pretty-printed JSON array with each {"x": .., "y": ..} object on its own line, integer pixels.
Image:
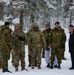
[
  {"x": 47, "y": 56},
  {"x": 55, "y": 61}
]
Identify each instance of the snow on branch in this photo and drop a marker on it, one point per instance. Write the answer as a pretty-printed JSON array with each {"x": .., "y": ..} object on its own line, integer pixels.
[
  {"x": 71, "y": 7},
  {"x": 6, "y": 1},
  {"x": 49, "y": 5}
]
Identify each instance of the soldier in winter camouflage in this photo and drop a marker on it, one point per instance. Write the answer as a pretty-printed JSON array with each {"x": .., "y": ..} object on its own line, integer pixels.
[
  {"x": 16, "y": 46},
  {"x": 56, "y": 42},
  {"x": 18, "y": 53},
  {"x": 47, "y": 35},
  {"x": 6, "y": 46},
  {"x": 30, "y": 48},
  {"x": 37, "y": 41}
]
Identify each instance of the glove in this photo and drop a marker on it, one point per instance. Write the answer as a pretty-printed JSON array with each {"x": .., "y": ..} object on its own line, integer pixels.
[
  {"x": 47, "y": 48},
  {"x": 21, "y": 38}
]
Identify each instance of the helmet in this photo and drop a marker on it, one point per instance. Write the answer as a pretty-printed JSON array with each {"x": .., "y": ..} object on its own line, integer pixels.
[
  {"x": 48, "y": 24},
  {"x": 35, "y": 25}
]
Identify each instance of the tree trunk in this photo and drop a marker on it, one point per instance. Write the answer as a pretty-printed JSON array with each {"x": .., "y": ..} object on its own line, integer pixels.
[{"x": 21, "y": 18}]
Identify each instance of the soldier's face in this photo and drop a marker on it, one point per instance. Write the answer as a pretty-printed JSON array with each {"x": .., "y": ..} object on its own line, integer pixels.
[
  {"x": 17, "y": 27},
  {"x": 57, "y": 25},
  {"x": 47, "y": 27},
  {"x": 8, "y": 26}
]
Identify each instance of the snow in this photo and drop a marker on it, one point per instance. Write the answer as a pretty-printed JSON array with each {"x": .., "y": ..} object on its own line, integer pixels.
[
  {"x": 6, "y": 1},
  {"x": 49, "y": 5},
  {"x": 44, "y": 71},
  {"x": 16, "y": 20},
  {"x": 1, "y": 23}
]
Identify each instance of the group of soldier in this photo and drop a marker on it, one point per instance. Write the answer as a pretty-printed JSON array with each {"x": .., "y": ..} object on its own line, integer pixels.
[
  {"x": 51, "y": 41},
  {"x": 12, "y": 41},
  {"x": 55, "y": 40}
]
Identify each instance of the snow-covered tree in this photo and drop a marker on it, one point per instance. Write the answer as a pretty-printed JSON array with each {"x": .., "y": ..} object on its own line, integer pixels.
[{"x": 39, "y": 11}]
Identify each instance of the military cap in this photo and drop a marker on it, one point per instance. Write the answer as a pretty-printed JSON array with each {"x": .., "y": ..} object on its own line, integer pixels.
[
  {"x": 7, "y": 23},
  {"x": 57, "y": 23},
  {"x": 48, "y": 24},
  {"x": 71, "y": 26}
]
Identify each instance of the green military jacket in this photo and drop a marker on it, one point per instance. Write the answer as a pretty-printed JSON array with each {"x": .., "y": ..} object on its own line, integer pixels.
[
  {"x": 37, "y": 38},
  {"x": 19, "y": 37},
  {"x": 47, "y": 36},
  {"x": 56, "y": 38},
  {"x": 7, "y": 38},
  {"x": 6, "y": 42}
]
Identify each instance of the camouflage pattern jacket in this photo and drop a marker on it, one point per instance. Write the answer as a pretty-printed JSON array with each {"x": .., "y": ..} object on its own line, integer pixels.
[
  {"x": 47, "y": 36},
  {"x": 19, "y": 38},
  {"x": 37, "y": 39},
  {"x": 56, "y": 38},
  {"x": 6, "y": 41}
]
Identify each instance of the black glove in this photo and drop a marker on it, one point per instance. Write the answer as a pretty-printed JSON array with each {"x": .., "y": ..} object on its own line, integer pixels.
[
  {"x": 47, "y": 48},
  {"x": 21, "y": 38}
]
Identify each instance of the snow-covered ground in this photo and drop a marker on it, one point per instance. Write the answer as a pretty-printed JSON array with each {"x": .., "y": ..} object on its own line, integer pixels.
[{"x": 44, "y": 71}]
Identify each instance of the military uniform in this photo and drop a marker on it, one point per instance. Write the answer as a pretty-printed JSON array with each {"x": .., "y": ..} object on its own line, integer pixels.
[
  {"x": 19, "y": 41},
  {"x": 48, "y": 49},
  {"x": 16, "y": 50},
  {"x": 56, "y": 42},
  {"x": 6, "y": 47},
  {"x": 30, "y": 49},
  {"x": 37, "y": 41}
]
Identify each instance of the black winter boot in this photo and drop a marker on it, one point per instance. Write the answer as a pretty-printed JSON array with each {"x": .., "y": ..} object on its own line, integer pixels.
[
  {"x": 55, "y": 66},
  {"x": 48, "y": 65},
  {"x": 59, "y": 66},
  {"x": 6, "y": 70},
  {"x": 51, "y": 67}
]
